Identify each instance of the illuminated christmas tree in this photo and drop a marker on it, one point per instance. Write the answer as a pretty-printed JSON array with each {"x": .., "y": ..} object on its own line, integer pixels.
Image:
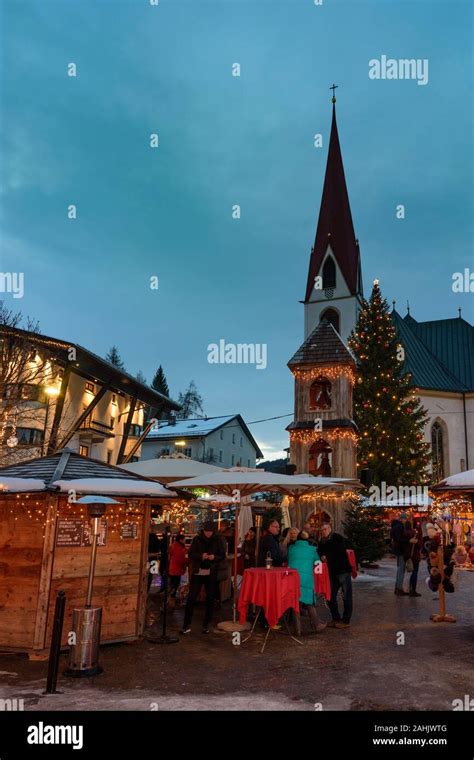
[{"x": 387, "y": 412}]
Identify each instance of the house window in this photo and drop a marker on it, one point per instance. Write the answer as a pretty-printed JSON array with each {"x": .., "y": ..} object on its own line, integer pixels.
[
  {"x": 320, "y": 394},
  {"x": 188, "y": 452},
  {"x": 112, "y": 423},
  {"x": 114, "y": 398},
  {"x": 109, "y": 457},
  {"x": 233, "y": 437},
  {"x": 331, "y": 316},
  {"x": 135, "y": 430},
  {"x": 248, "y": 462},
  {"x": 165, "y": 452},
  {"x": 222, "y": 435},
  {"x": 211, "y": 453},
  {"x": 84, "y": 451},
  {"x": 320, "y": 459},
  {"x": 90, "y": 388},
  {"x": 233, "y": 460},
  {"x": 437, "y": 451},
  {"x": 220, "y": 455},
  {"x": 241, "y": 441},
  {"x": 134, "y": 459},
  {"x": 29, "y": 436},
  {"x": 329, "y": 273}
]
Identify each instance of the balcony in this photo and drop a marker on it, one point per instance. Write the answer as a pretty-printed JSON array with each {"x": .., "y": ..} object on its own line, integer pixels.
[{"x": 98, "y": 430}]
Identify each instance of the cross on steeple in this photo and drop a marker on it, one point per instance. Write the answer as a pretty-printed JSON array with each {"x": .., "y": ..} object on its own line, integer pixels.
[{"x": 334, "y": 88}]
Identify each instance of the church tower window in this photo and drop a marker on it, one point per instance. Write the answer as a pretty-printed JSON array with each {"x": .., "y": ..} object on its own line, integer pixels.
[
  {"x": 437, "y": 451},
  {"x": 320, "y": 459},
  {"x": 331, "y": 316},
  {"x": 329, "y": 273},
  {"x": 320, "y": 394}
]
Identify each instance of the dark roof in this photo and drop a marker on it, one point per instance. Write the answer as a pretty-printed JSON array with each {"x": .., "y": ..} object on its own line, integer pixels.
[
  {"x": 73, "y": 466},
  {"x": 335, "y": 222},
  {"x": 439, "y": 355},
  {"x": 94, "y": 368},
  {"x": 323, "y": 346},
  {"x": 327, "y": 425}
]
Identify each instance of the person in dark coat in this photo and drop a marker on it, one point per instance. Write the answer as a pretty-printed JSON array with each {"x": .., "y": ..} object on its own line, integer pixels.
[
  {"x": 207, "y": 550},
  {"x": 270, "y": 545},
  {"x": 332, "y": 549},
  {"x": 249, "y": 549},
  {"x": 154, "y": 549},
  {"x": 399, "y": 544},
  {"x": 413, "y": 552}
]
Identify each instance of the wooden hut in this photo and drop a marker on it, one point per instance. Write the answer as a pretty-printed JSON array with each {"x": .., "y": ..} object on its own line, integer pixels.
[{"x": 45, "y": 547}]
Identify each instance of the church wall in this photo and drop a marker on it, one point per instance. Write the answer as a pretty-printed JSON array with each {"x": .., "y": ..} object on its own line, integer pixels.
[{"x": 449, "y": 409}]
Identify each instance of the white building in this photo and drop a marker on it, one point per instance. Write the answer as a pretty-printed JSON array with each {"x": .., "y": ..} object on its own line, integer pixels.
[
  {"x": 223, "y": 441},
  {"x": 56, "y": 394}
]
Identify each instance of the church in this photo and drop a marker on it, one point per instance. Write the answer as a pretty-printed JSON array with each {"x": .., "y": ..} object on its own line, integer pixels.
[{"x": 439, "y": 355}]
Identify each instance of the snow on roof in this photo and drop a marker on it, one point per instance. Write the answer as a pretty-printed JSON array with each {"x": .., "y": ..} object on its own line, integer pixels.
[
  {"x": 460, "y": 480},
  {"x": 119, "y": 486},
  {"x": 190, "y": 427},
  {"x": 21, "y": 484},
  {"x": 166, "y": 468}
]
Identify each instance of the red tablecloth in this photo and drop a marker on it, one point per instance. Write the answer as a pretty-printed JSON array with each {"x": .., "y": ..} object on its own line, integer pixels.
[
  {"x": 322, "y": 583},
  {"x": 275, "y": 590}
]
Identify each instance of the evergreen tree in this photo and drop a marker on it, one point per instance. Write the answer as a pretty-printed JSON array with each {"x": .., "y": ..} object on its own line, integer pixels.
[
  {"x": 159, "y": 382},
  {"x": 190, "y": 401},
  {"x": 364, "y": 530},
  {"x": 141, "y": 377},
  {"x": 113, "y": 357},
  {"x": 387, "y": 412}
]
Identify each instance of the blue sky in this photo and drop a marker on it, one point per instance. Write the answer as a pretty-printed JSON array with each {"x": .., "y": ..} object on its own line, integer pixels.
[{"x": 226, "y": 140}]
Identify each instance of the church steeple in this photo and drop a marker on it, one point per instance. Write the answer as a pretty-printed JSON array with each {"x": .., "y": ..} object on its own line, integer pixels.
[{"x": 335, "y": 240}]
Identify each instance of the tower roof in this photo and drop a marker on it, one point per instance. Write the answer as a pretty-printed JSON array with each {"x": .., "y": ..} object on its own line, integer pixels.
[
  {"x": 335, "y": 222},
  {"x": 323, "y": 346}
]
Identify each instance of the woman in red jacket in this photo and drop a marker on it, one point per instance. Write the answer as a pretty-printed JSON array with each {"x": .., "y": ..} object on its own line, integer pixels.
[{"x": 178, "y": 562}]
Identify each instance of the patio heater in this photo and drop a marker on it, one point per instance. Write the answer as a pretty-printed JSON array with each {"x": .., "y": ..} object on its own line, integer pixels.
[{"x": 87, "y": 620}]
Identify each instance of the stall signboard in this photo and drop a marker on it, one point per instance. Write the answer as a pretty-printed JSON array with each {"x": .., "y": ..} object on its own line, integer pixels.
[
  {"x": 77, "y": 532},
  {"x": 129, "y": 530}
]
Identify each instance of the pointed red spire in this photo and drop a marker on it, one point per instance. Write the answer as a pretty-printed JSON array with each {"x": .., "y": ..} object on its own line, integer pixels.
[{"x": 335, "y": 221}]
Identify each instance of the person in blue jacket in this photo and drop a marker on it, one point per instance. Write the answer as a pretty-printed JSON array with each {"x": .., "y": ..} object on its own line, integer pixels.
[{"x": 303, "y": 556}]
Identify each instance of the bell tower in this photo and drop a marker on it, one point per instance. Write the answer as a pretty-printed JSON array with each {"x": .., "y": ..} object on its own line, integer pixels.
[{"x": 334, "y": 285}]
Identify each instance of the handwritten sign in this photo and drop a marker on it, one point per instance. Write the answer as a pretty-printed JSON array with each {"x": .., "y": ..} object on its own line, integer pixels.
[
  {"x": 128, "y": 530},
  {"x": 70, "y": 532}
]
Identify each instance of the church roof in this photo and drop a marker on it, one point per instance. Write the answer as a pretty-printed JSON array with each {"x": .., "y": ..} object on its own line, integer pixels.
[
  {"x": 323, "y": 346},
  {"x": 439, "y": 354},
  {"x": 335, "y": 222}
]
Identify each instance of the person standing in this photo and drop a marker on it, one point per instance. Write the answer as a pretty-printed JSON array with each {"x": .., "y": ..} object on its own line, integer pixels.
[
  {"x": 399, "y": 543},
  {"x": 178, "y": 562},
  {"x": 249, "y": 549},
  {"x": 332, "y": 550},
  {"x": 207, "y": 550},
  {"x": 303, "y": 556},
  {"x": 270, "y": 545},
  {"x": 413, "y": 553}
]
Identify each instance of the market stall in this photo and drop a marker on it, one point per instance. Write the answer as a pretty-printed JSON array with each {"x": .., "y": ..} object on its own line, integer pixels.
[{"x": 45, "y": 547}]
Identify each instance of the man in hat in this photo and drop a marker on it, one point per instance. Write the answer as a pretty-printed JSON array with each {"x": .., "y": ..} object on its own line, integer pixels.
[{"x": 207, "y": 550}]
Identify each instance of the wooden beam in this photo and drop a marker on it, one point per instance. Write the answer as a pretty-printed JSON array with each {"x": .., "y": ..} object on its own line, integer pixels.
[
  {"x": 39, "y": 640},
  {"x": 143, "y": 575},
  {"x": 75, "y": 427},
  {"x": 126, "y": 431},
  {"x": 53, "y": 436},
  {"x": 139, "y": 442}
]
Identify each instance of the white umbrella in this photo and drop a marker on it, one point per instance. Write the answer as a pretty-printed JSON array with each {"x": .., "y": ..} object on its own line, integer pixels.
[
  {"x": 165, "y": 469},
  {"x": 245, "y": 521}
]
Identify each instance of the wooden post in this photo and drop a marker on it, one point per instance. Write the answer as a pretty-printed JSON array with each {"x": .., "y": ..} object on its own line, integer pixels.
[
  {"x": 442, "y": 617},
  {"x": 126, "y": 432},
  {"x": 39, "y": 640},
  {"x": 143, "y": 576}
]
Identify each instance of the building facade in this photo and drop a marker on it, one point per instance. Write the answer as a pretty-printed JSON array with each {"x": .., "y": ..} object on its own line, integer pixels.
[
  {"x": 55, "y": 394},
  {"x": 222, "y": 441}
]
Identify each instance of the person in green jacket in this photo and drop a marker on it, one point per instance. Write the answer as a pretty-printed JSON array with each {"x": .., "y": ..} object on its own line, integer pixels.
[{"x": 303, "y": 556}]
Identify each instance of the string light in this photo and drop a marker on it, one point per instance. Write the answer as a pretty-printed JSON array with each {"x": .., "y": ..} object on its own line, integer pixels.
[
  {"x": 329, "y": 371},
  {"x": 310, "y": 436}
]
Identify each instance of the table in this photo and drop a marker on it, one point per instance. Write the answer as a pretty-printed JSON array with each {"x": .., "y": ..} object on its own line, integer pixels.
[{"x": 273, "y": 592}]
